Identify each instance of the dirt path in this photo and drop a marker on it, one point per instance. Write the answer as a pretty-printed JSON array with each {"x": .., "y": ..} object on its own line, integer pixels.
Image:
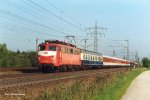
[{"x": 139, "y": 89}]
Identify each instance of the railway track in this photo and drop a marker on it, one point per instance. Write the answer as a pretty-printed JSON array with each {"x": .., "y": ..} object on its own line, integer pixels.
[
  {"x": 20, "y": 75},
  {"x": 27, "y": 79},
  {"x": 17, "y": 69}
]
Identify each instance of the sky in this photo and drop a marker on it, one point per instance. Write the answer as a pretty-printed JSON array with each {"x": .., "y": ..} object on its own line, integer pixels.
[{"x": 22, "y": 21}]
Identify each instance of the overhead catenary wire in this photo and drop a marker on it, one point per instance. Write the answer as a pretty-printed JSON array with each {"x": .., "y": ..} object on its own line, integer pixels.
[
  {"x": 16, "y": 29},
  {"x": 28, "y": 11},
  {"x": 63, "y": 12},
  {"x": 41, "y": 11},
  {"x": 12, "y": 39},
  {"x": 37, "y": 17},
  {"x": 54, "y": 15},
  {"x": 36, "y": 5},
  {"x": 35, "y": 27},
  {"x": 29, "y": 21},
  {"x": 29, "y": 29},
  {"x": 23, "y": 30}
]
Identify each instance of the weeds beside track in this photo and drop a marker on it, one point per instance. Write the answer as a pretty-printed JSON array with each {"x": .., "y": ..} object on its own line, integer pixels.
[{"x": 42, "y": 82}]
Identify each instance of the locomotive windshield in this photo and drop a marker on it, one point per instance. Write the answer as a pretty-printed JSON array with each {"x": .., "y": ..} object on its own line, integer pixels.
[
  {"x": 41, "y": 48},
  {"x": 52, "y": 48}
]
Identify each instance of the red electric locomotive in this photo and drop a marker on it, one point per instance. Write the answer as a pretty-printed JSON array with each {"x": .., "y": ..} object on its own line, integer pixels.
[{"x": 54, "y": 54}]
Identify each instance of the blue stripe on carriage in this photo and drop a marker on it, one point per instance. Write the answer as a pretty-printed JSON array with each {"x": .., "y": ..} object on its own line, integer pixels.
[{"x": 88, "y": 62}]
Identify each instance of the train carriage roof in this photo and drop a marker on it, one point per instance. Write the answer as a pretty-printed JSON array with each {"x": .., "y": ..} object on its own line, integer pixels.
[
  {"x": 115, "y": 58},
  {"x": 90, "y": 52}
]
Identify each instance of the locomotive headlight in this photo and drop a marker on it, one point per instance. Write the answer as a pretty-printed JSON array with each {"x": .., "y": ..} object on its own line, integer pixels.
[{"x": 39, "y": 58}]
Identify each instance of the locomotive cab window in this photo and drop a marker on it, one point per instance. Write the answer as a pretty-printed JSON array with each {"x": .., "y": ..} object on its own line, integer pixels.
[
  {"x": 42, "y": 48},
  {"x": 52, "y": 48}
]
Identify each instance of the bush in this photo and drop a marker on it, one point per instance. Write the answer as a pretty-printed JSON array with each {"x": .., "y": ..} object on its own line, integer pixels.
[{"x": 146, "y": 62}]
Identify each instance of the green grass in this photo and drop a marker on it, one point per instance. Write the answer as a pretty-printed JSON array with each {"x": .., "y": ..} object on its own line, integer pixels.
[
  {"x": 115, "y": 90},
  {"x": 102, "y": 87}
]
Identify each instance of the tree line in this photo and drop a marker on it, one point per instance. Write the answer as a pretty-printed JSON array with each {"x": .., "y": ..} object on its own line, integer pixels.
[{"x": 10, "y": 58}]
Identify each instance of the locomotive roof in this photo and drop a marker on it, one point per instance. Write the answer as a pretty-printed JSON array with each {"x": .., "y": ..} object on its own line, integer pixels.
[{"x": 59, "y": 42}]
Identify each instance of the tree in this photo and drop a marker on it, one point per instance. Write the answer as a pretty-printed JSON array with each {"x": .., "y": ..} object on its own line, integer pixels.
[
  {"x": 146, "y": 62},
  {"x": 3, "y": 55}
]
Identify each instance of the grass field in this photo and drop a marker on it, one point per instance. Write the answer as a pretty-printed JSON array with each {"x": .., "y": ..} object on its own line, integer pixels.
[
  {"x": 104, "y": 87},
  {"x": 114, "y": 91}
]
